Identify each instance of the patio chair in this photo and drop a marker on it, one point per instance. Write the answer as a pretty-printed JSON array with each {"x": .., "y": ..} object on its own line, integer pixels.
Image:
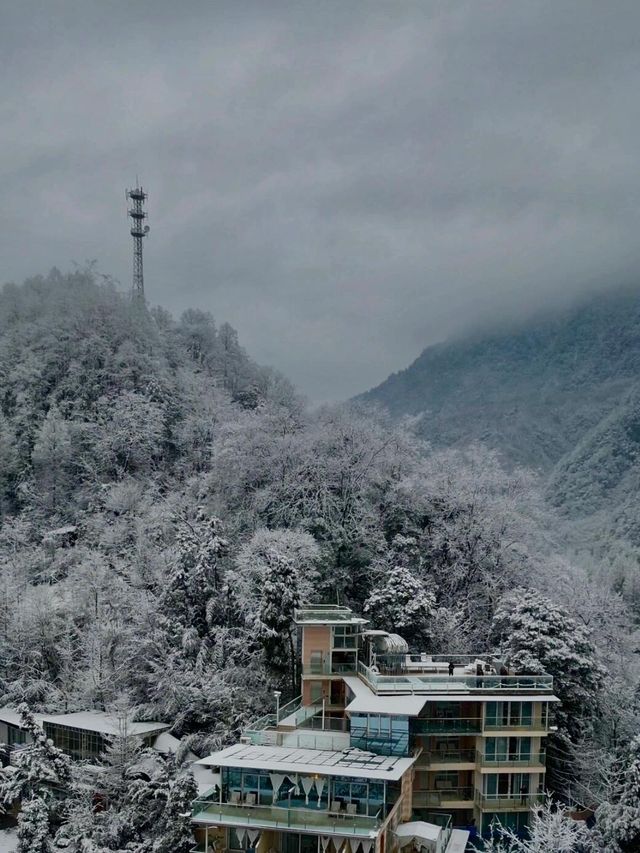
[
  {"x": 250, "y": 799},
  {"x": 336, "y": 806},
  {"x": 352, "y": 808},
  {"x": 235, "y": 798}
]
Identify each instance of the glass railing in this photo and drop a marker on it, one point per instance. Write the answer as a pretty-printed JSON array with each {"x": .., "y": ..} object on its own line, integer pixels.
[
  {"x": 326, "y": 668},
  {"x": 446, "y": 725},
  {"x": 416, "y": 682},
  {"x": 329, "y": 724},
  {"x": 450, "y": 756},
  {"x": 435, "y": 798},
  {"x": 498, "y": 802},
  {"x": 505, "y": 759},
  {"x": 330, "y": 613},
  {"x": 227, "y": 814},
  {"x": 525, "y": 724}
]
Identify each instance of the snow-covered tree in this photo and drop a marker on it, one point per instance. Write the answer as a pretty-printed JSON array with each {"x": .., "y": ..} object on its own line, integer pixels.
[
  {"x": 551, "y": 830},
  {"x": 34, "y": 835},
  {"x": 618, "y": 821},
  {"x": 274, "y": 619},
  {"x": 535, "y": 635},
  {"x": 39, "y": 769},
  {"x": 174, "y": 833},
  {"x": 402, "y": 603}
]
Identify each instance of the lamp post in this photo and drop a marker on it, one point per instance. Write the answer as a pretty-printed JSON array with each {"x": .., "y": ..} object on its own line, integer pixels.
[{"x": 277, "y": 694}]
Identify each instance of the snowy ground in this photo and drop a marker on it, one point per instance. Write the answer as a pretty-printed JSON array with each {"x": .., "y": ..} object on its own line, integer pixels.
[{"x": 8, "y": 840}]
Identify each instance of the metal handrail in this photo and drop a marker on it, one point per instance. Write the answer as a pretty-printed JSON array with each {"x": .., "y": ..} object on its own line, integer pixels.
[
  {"x": 451, "y": 756},
  {"x": 278, "y": 817},
  {"x": 416, "y": 682},
  {"x": 499, "y": 801},
  {"x": 536, "y": 757}
]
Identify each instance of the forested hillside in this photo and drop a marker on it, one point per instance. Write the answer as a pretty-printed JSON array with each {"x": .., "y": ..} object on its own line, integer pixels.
[
  {"x": 531, "y": 392},
  {"x": 167, "y": 503},
  {"x": 558, "y": 396}
]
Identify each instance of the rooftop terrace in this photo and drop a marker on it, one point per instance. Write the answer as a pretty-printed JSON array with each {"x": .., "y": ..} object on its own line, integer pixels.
[
  {"x": 324, "y": 762},
  {"x": 425, "y": 674},
  {"x": 327, "y": 614}
]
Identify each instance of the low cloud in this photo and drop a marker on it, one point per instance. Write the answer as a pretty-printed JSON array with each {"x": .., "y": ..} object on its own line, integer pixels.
[{"x": 344, "y": 182}]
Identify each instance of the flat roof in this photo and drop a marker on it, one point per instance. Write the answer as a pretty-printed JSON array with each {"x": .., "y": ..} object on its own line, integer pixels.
[
  {"x": 327, "y": 614},
  {"x": 368, "y": 702},
  {"x": 103, "y": 723},
  {"x": 90, "y": 721},
  {"x": 12, "y": 717},
  {"x": 324, "y": 762},
  {"x": 410, "y": 705}
]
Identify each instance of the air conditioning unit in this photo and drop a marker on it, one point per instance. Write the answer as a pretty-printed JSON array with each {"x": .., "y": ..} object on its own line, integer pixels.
[{"x": 245, "y": 740}]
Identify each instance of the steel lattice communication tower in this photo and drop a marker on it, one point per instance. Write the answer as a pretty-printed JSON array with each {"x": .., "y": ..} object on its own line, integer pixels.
[{"x": 138, "y": 231}]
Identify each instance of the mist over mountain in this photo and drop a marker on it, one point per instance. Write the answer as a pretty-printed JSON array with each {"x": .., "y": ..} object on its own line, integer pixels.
[{"x": 557, "y": 394}]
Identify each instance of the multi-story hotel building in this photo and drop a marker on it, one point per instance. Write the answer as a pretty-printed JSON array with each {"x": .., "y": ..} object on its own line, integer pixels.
[{"x": 381, "y": 750}]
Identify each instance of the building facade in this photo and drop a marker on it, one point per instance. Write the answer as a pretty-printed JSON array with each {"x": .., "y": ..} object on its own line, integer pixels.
[{"x": 383, "y": 748}]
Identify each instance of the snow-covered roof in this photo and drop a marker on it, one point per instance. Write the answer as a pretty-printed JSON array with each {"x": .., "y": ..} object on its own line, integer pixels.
[
  {"x": 458, "y": 841},
  {"x": 103, "y": 723},
  {"x": 12, "y": 717},
  {"x": 205, "y": 778},
  {"x": 368, "y": 702},
  {"x": 325, "y": 762},
  {"x": 418, "y": 829},
  {"x": 8, "y": 840},
  {"x": 61, "y": 531},
  {"x": 410, "y": 705},
  {"x": 327, "y": 614}
]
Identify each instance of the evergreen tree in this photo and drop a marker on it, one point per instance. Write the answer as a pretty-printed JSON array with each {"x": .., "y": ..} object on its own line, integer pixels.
[
  {"x": 402, "y": 603},
  {"x": 535, "y": 635},
  {"x": 279, "y": 599},
  {"x": 174, "y": 832},
  {"x": 618, "y": 822},
  {"x": 39, "y": 769},
  {"x": 33, "y": 827}
]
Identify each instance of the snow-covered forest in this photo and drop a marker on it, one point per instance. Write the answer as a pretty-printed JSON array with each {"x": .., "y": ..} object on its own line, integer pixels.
[{"x": 165, "y": 504}]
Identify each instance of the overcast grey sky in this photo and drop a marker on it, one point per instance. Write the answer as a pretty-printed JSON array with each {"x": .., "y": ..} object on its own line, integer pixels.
[{"x": 344, "y": 182}]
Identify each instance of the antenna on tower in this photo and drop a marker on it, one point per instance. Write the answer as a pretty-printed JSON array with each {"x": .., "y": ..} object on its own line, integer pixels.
[{"x": 138, "y": 230}]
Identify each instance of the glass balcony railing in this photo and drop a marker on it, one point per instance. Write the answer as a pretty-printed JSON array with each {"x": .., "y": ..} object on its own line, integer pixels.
[
  {"x": 228, "y": 814},
  {"x": 443, "y": 683},
  {"x": 446, "y": 725},
  {"x": 450, "y": 756},
  {"x": 436, "y": 798},
  {"x": 326, "y": 668},
  {"x": 523, "y": 724},
  {"x": 518, "y": 759},
  {"x": 500, "y": 802}
]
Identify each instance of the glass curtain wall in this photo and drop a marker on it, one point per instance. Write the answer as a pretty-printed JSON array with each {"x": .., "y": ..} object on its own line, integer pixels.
[
  {"x": 255, "y": 787},
  {"x": 379, "y": 733}
]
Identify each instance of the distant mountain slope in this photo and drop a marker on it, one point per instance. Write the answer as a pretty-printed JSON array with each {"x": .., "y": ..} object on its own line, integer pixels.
[{"x": 532, "y": 393}]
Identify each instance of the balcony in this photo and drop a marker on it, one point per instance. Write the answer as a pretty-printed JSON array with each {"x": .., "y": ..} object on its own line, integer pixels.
[
  {"x": 275, "y": 817},
  {"x": 534, "y": 723},
  {"x": 445, "y": 797},
  {"x": 450, "y": 756},
  {"x": 446, "y": 725},
  {"x": 431, "y": 678},
  {"x": 524, "y": 759},
  {"x": 503, "y": 802},
  {"x": 327, "y": 668}
]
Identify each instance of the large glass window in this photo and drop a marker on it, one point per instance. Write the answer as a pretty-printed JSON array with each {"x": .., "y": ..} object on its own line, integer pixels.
[
  {"x": 253, "y": 787},
  {"x": 507, "y": 749},
  {"x": 380, "y": 733},
  {"x": 508, "y": 786},
  {"x": 508, "y": 714},
  {"x": 77, "y": 743},
  {"x": 15, "y": 735}
]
